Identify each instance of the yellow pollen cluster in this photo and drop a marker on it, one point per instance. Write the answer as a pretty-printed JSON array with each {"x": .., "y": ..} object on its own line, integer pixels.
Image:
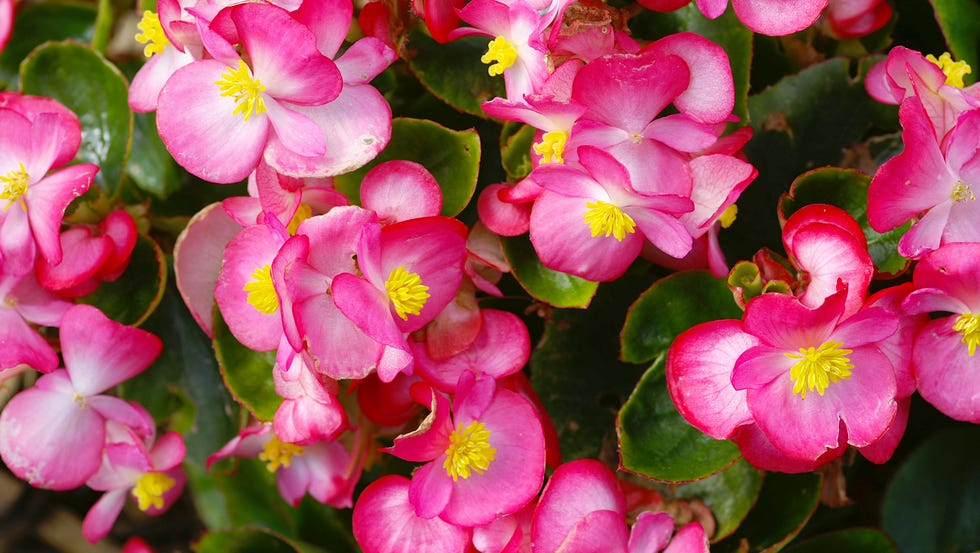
[
  {"x": 303, "y": 212},
  {"x": 502, "y": 52},
  {"x": 14, "y": 187},
  {"x": 150, "y": 488},
  {"x": 239, "y": 84},
  {"x": 818, "y": 367},
  {"x": 552, "y": 146},
  {"x": 954, "y": 70},
  {"x": 607, "y": 219},
  {"x": 261, "y": 293},
  {"x": 962, "y": 193},
  {"x": 968, "y": 324},
  {"x": 277, "y": 453},
  {"x": 727, "y": 217},
  {"x": 406, "y": 292},
  {"x": 469, "y": 450},
  {"x": 151, "y": 34}
]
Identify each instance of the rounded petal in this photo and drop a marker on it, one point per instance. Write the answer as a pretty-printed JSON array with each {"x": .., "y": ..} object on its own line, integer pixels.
[
  {"x": 778, "y": 17},
  {"x": 945, "y": 372},
  {"x": 399, "y": 190}
]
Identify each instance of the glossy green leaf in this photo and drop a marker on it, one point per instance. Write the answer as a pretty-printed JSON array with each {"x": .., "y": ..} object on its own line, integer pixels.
[
  {"x": 785, "y": 504},
  {"x": 730, "y": 495},
  {"x": 247, "y": 373},
  {"x": 151, "y": 167},
  {"x": 454, "y": 73},
  {"x": 848, "y": 190},
  {"x": 657, "y": 442},
  {"x": 251, "y": 540},
  {"x": 38, "y": 22},
  {"x": 933, "y": 501},
  {"x": 857, "y": 540},
  {"x": 958, "y": 20},
  {"x": 132, "y": 297},
  {"x": 576, "y": 375},
  {"x": 515, "y": 149},
  {"x": 81, "y": 79},
  {"x": 543, "y": 284},
  {"x": 672, "y": 305},
  {"x": 453, "y": 158}
]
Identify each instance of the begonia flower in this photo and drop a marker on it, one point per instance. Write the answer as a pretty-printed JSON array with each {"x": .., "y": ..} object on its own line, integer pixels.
[
  {"x": 22, "y": 303},
  {"x": 857, "y": 18},
  {"x": 767, "y": 17},
  {"x": 310, "y": 411}
]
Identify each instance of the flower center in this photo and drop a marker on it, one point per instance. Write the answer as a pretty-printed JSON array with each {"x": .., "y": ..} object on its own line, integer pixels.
[
  {"x": 818, "y": 367},
  {"x": 150, "y": 488},
  {"x": 954, "y": 70},
  {"x": 968, "y": 324},
  {"x": 303, "y": 212},
  {"x": 151, "y": 34},
  {"x": 502, "y": 52},
  {"x": 469, "y": 449},
  {"x": 962, "y": 193},
  {"x": 605, "y": 218},
  {"x": 261, "y": 293},
  {"x": 552, "y": 146},
  {"x": 406, "y": 291},
  {"x": 14, "y": 187},
  {"x": 239, "y": 84},
  {"x": 277, "y": 453}
]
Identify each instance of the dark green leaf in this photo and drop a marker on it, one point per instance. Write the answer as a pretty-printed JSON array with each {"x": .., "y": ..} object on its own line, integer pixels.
[
  {"x": 657, "y": 442},
  {"x": 251, "y": 540},
  {"x": 958, "y": 21},
  {"x": 515, "y": 149},
  {"x": 453, "y": 72},
  {"x": 730, "y": 495},
  {"x": 785, "y": 504},
  {"x": 552, "y": 287},
  {"x": 857, "y": 540},
  {"x": 932, "y": 503},
  {"x": 671, "y": 306},
  {"x": 150, "y": 166},
  {"x": 848, "y": 190},
  {"x": 453, "y": 158},
  {"x": 132, "y": 297},
  {"x": 247, "y": 373},
  {"x": 81, "y": 79},
  {"x": 38, "y": 22}
]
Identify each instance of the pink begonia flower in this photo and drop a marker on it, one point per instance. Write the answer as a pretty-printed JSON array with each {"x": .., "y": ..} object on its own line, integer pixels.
[
  {"x": 507, "y": 534},
  {"x": 408, "y": 273},
  {"x": 943, "y": 360},
  {"x": 485, "y": 461},
  {"x": 217, "y": 115},
  {"x": 385, "y": 521},
  {"x": 485, "y": 261},
  {"x": 33, "y": 197},
  {"x": 400, "y": 190},
  {"x": 456, "y": 327},
  {"x": 171, "y": 41},
  {"x": 32, "y": 106},
  {"x": 92, "y": 254},
  {"x": 322, "y": 469},
  {"x": 153, "y": 476},
  {"x": 290, "y": 199},
  {"x": 503, "y": 217},
  {"x": 52, "y": 435},
  {"x": 929, "y": 182},
  {"x": 857, "y": 18},
  {"x": 310, "y": 411},
  {"x": 592, "y": 223},
  {"x": 23, "y": 303},
  {"x": 767, "y": 17}
]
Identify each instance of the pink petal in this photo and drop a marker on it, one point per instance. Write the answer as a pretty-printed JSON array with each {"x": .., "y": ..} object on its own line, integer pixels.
[
  {"x": 102, "y": 516},
  {"x": 778, "y": 17},
  {"x": 400, "y": 190},
  {"x": 945, "y": 372},
  {"x": 651, "y": 532},
  {"x": 47, "y": 201}
]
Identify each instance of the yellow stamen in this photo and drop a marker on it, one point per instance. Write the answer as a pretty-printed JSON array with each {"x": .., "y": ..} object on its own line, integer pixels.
[
  {"x": 303, "y": 212},
  {"x": 502, "y": 52},
  {"x": 607, "y": 219},
  {"x": 469, "y": 449},
  {"x": 151, "y": 34},
  {"x": 818, "y": 367},
  {"x": 954, "y": 70},
  {"x": 552, "y": 146},
  {"x": 277, "y": 453},
  {"x": 406, "y": 291},
  {"x": 727, "y": 217},
  {"x": 261, "y": 293},
  {"x": 968, "y": 324},
  {"x": 962, "y": 192},
  {"x": 14, "y": 187},
  {"x": 150, "y": 488},
  {"x": 244, "y": 89}
]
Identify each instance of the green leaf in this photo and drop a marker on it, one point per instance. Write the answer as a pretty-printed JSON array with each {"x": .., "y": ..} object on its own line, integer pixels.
[
  {"x": 247, "y": 373},
  {"x": 856, "y": 540},
  {"x": 453, "y": 72},
  {"x": 671, "y": 306},
  {"x": 38, "y": 22},
  {"x": 785, "y": 504},
  {"x": 81, "y": 79},
  {"x": 515, "y": 149},
  {"x": 933, "y": 500},
  {"x": 251, "y": 540},
  {"x": 848, "y": 190},
  {"x": 576, "y": 375},
  {"x": 657, "y": 442},
  {"x": 453, "y": 158},
  {"x": 151, "y": 167},
  {"x": 958, "y": 21},
  {"x": 730, "y": 495},
  {"x": 552, "y": 287},
  {"x": 132, "y": 297}
]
